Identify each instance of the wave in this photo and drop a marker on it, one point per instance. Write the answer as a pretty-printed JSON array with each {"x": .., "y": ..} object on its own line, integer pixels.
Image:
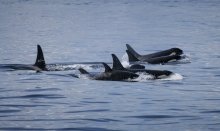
[{"x": 143, "y": 77}]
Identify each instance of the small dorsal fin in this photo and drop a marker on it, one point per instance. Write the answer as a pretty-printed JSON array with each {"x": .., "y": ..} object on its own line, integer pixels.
[
  {"x": 131, "y": 57},
  {"x": 107, "y": 68},
  {"x": 116, "y": 63},
  {"x": 40, "y": 62},
  {"x": 132, "y": 51},
  {"x": 83, "y": 71}
]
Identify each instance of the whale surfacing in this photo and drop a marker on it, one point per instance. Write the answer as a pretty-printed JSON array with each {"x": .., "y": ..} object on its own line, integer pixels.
[
  {"x": 154, "y": 58},
  {"x": 110, "y": 75},
  {"x": 157, "y": 74}
]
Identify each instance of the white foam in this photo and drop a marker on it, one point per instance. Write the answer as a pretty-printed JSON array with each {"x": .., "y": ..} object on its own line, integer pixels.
[
  {"x": 124, "y": 61},
  {"x": 69, "y": 67},
  {"x": 77, "y": 66},
  {"x": 186, "y": 58},
  {"x": 125, "y": 57},
  {"x": 174, "y": 76},
  {"x": 83, "y": 76},
  {"x": 143, "y": 77}
]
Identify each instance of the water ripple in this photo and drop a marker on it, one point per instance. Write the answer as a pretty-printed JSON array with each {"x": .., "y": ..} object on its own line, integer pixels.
[
  {"x": 61, "y": 129},
  {"x": 97, "y": 102},
  {"x": 212, "y": 99},
  {"x": 41, "y": 89},
  {"x": 14, "y": 105},
  {"x": 116, "y": 94},
  {"x": 88, "y": 129},
  {"x": 21, "y": 129},
  {"x": 158, "y": 116},
  {"x": 45, "y": 96},
  {"x": 98, "y": 110},
  {"x": 101, "y": 120},
  {"x": 42, "y": 96},
  {"x": 166, "y": 123},
  {"x": 9, "y": 111},
  {"x": 212, "y": 111}
]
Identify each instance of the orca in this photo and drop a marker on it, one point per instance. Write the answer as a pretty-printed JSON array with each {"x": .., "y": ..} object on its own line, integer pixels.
[
  {"x": 40, "y": 62},
  {"x": 157, "y": 74},
  {"x": 110, "y": 75},
  {"x": 154, "y": 58},
  {"x": 38, "y": 66}
]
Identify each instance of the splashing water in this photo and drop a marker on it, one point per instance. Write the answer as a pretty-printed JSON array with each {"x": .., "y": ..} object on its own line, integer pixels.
[
  {"x": 186, "y": 58},
  {"x": 124, "y": 61},
  {"x": 70, "y": 67},
  {"x": 174, "y": 76},
  {"x": 143, "y": 77},
  {"x": 83, "y": 76}
]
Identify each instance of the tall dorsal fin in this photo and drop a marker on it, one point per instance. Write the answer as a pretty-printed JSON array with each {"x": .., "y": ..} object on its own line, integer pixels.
[
  {"x": 83, "y": 71},
  {"x": 116, "y": 63},
  {"x": 107, "y": 68},
  {"x": 132, "y": 51},
  {"x": 131, "y": 57},
  {"x": 40, "y": 62}
]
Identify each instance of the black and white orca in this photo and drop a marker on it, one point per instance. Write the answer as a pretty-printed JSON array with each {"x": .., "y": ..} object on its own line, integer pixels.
[
  {"x": 110, "y": 75},
  {"x": 161, "y": 57},
  {"x": 157, "y": 74},
  {"x": 39, "y": 65}
]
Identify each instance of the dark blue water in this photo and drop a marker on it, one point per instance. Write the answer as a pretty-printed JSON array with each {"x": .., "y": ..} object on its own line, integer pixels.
[{"x": 88, "y": 30}]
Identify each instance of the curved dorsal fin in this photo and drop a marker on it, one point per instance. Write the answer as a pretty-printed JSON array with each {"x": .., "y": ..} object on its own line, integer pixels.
[
  {"x": 132, "y": 51},
  {"x": 131, "y": 57},
  {"x": 40, "y": 62},
  {"x": 83, "y": 71},
  {"x": 116, "y": 63},
  {"x": 107, "y": 68}
]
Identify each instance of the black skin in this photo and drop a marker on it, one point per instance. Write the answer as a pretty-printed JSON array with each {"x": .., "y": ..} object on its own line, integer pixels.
[
  {"x": 162, "y": 59},
  {"x": 167, "y": 52},
  {"x": 110, "y": 75},
  {"x": 154, "y": 58},
  {"x": 137, "y": 66},
  {"x": 116, "y": 75},
  {"x": 156, "y": 73},
  {"x": 38, "y": 66}
]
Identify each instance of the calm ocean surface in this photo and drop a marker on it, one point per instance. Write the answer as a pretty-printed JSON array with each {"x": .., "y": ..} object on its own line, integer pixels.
[{"x": 89, "y": 31}]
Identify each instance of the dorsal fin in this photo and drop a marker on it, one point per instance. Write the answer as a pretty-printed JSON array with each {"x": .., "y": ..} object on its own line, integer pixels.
[
  {"x": 83, "y": 71},
  {"x": 116, "y": 63},
  {"x": 40, "y": 62},
  {"x": 131, "y": 57},
  {"x": 107, "y": 68},
  {"x": 132, "y": 51}
]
